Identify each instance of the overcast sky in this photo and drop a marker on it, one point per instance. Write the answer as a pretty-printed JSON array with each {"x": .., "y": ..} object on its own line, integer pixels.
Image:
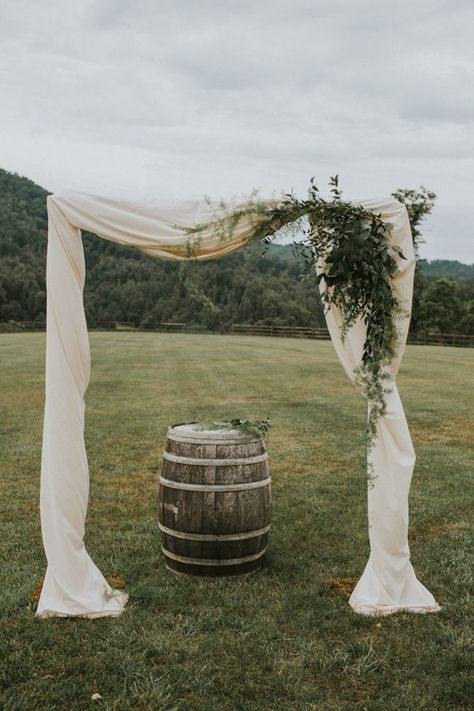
[{"x": 189, "y": 97}]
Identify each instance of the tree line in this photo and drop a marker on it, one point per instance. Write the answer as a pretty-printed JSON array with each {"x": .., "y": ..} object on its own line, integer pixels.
[{"x": 124, "y": 285}]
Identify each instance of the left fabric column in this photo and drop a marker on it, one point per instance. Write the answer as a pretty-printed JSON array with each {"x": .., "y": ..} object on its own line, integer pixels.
[{"x": 73, "y": 585}]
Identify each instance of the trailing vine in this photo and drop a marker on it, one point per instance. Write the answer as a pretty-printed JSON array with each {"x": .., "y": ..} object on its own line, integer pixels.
[{"x": 348, "y": 248}]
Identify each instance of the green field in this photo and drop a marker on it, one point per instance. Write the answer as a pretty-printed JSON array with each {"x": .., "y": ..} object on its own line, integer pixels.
[{"x": 284, "y": 638}]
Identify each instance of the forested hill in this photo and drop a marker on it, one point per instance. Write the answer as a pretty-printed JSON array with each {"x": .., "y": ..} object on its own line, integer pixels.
[
  {"x": 448, "y": 268},
  {"x": 123, "y": 285}
]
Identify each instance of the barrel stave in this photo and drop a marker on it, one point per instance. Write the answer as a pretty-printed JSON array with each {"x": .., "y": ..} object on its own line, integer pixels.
[
  {"x": 204, "y": 514},
  {"x": 222, "y": 474},
  {"x": 216, "y": 514}
]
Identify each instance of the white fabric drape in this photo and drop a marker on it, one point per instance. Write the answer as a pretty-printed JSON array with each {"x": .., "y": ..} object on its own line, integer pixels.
[
  {"x": 388, "y": 583},
  {"x": 73, "y": 585}
]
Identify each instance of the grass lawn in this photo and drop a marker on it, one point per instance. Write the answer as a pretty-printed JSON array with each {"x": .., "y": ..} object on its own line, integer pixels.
[{"x": 284, "y": 638}]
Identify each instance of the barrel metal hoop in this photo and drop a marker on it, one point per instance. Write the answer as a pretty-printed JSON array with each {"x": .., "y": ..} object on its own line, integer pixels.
[
  {"x": 213, "y": 537},
  {"x": 215, "y": 488},
  {"x": 215, "y": 462},
  {"x": 212, "y": 561},
  {"x": 207, "y": 442}
]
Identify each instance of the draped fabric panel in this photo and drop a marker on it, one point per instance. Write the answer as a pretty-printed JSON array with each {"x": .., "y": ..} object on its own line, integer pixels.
[
  {"x": 388, "y": 583},
  {"x": 73, "y": 584}
]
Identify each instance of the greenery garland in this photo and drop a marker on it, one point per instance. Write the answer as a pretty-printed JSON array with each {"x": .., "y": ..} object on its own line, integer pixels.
[
  {"x": 349, "y": 246},
  {"x": 255, "y": 427}
]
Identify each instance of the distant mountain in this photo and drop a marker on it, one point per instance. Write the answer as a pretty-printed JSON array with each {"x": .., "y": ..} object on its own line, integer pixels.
[
  {"x": 447, "y": 268},
  {"x": 23, "y": 216},
  {"x": 124, "y": 285}
]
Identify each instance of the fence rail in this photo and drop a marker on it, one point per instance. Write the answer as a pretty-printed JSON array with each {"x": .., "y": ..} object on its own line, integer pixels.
[
  {"x": 441, "y": 339},
  {"x": 421, "y": 338},
  {"x": 284, "y": 331}
]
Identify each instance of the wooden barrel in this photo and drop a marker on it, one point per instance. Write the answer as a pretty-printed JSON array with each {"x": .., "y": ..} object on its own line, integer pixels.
[{"x": 214, "y": 501}]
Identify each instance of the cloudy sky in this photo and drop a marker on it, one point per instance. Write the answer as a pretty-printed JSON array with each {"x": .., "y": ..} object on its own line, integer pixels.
[{"x": 186, "y": 97}]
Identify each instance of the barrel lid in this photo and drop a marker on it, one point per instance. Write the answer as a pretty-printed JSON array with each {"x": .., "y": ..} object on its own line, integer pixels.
[{"x": 194, "y": 431}]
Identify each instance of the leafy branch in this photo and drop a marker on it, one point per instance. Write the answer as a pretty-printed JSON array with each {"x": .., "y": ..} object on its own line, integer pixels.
[
  {"x": 246, "y": 426},
  {"x": 349, "y": 247}
]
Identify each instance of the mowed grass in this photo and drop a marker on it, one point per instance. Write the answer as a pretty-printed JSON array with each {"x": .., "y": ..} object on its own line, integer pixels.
[{"x": 283, "y": 638}]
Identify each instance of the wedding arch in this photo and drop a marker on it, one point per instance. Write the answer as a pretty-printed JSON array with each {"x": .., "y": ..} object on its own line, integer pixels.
[{"x": 73, "y": 585}]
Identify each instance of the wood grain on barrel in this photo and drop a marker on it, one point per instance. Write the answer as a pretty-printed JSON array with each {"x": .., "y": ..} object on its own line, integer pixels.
[{"x": 215, "y": 514}]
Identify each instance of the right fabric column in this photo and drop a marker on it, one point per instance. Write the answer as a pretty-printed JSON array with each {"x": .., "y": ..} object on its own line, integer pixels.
[{"x": 388, "y": 582}]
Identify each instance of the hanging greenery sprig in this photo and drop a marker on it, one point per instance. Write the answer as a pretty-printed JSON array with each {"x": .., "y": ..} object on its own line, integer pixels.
[{"x": 349, "y": 247}]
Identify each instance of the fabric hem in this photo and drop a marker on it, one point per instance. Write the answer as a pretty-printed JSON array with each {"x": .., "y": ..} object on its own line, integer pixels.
[
  {"x": 391, "y": 609},
  {"x": 122, "y": 600}
]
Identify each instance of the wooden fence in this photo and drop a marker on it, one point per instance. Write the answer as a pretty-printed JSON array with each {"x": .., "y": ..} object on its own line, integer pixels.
[
  {"x": 441, "y": 339},
  {"x": 420, "y": 338},
  {"x": 283, "y": 331}
]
